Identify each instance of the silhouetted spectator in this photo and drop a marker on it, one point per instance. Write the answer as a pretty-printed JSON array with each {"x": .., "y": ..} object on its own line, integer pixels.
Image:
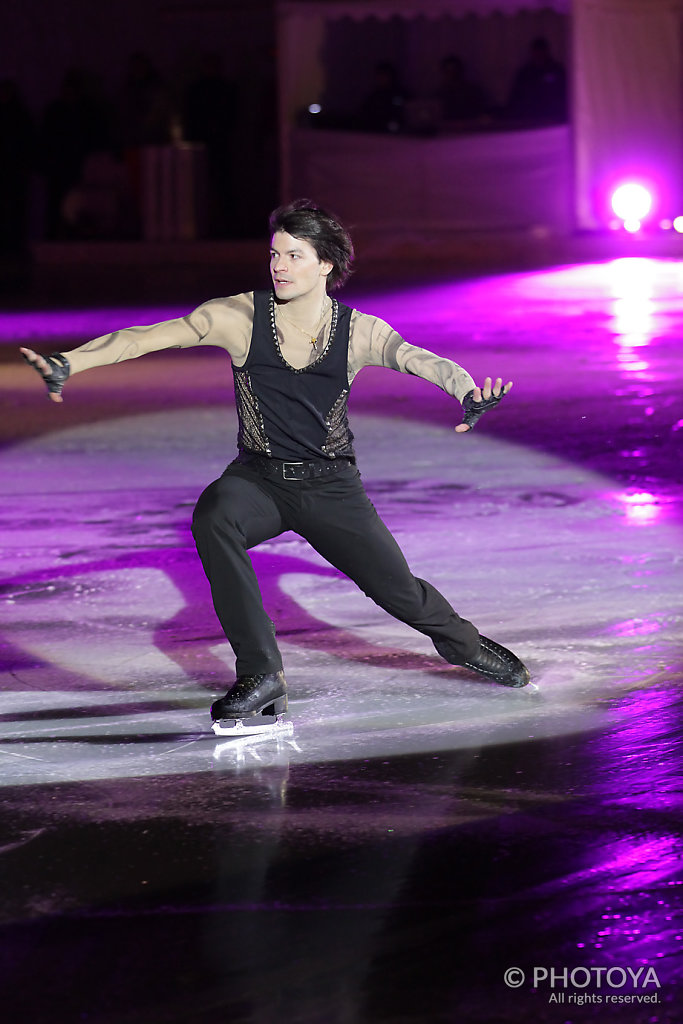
[
  {"x": 99, "y": 206},
  {"x": 17, "y": 139},
  {"x": 460, "y": 99},
  {"x": 74, "y": 125},
  {"x": 147, "y": 118},
  {"x": 383, "y": 109},
  {"x": 539, "y": 90},
  {"x": 209, "y": 117},
  {"x": 146, "y": 108}
]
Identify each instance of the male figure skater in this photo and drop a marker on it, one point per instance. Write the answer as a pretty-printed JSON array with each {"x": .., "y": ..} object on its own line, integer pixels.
[{"x": 295, "y": 351}]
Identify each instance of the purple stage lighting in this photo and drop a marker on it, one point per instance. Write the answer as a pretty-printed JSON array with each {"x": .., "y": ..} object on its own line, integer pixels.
[{"x": 631, "y": 202}]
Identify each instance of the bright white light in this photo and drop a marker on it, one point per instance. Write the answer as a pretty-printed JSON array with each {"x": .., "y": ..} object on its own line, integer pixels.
[
  {"x": 314, "y": 108},
  {"x": 641, "y": 508},
  {"x": 632, "y": 225},
  {"x": 632, "y": 285},
  {"x": 633, "y": 316},
  {"x": 631, "y": 202},
  {"x": 678, "y": 224}
]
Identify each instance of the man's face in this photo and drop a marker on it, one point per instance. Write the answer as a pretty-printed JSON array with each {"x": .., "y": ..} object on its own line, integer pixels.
[{"x": 295, "y": 268}]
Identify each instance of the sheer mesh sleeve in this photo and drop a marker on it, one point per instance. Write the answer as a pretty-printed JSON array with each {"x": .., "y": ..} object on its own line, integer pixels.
[
  {"x": 225, "y": 323},
  {"x": 374, "y": 343}
]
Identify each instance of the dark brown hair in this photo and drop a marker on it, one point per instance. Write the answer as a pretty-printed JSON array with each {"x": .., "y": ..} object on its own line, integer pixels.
[{"x": 328, "y": 236}]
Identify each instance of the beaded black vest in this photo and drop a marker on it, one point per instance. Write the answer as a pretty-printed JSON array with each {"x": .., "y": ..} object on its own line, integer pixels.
[{"x": 289, "y": 413}]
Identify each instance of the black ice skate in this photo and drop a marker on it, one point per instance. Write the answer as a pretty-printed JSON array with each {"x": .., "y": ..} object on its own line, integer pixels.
[
  {"x": 499, "y": 664},
  {"x": 253, "y": 705},
  {"x": 494, "y": 661}
]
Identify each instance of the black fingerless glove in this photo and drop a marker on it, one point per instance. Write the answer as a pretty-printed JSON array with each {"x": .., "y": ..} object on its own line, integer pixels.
[
  {"x": 475, "y": 410},
  {"x": 59, "y": 372}
]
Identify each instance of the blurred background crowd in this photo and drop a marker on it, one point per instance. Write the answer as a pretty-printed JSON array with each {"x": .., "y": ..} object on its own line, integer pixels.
[{"x": 75, "y": 165}]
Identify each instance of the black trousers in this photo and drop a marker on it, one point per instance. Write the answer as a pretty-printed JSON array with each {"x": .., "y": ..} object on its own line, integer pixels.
[{"x": 334, "y": 514}]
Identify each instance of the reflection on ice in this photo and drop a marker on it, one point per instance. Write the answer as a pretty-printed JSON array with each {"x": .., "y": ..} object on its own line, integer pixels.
[
  {"x": 633, "y": 281},
  {"x": 641, "y": 507},
  {"x": 633, "y": 320},
  {"x": 635, "y": 627}
]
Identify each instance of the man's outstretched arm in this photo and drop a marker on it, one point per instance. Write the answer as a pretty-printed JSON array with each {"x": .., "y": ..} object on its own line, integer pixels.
[
  {"x": 222, "y": 322},
  {"x": 115, "y": 347},
  {"x": 375, "y": 343}
]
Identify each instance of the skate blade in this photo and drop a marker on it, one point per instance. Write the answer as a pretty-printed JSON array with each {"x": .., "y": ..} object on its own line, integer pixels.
[{"x": 253, "y": 727}]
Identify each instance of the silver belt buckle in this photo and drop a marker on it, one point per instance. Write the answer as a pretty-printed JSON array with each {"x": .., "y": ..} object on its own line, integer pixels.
[{"x": 285, "y": 468}]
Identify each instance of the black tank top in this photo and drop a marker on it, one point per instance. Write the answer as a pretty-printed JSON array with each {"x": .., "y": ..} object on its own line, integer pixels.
[{"x": 293, "y": 414}]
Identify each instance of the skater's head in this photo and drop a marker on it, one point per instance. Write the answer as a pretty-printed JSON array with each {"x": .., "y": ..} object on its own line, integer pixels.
[{"x": 332, "y": 243}]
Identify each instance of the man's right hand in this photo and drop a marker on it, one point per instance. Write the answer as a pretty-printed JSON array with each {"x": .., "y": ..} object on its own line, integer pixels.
[{"x": 54, "y": 370}]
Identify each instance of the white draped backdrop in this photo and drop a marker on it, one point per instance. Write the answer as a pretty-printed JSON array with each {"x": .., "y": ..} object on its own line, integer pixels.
[{"x": 516, "y": 180}]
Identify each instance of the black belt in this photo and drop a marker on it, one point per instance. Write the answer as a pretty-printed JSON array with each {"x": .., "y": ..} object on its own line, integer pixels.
[{"x": 308, "y": 469}]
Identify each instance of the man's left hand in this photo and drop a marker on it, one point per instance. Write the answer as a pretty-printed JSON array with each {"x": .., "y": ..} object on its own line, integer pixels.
[{"x": 477, "y": 402}]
